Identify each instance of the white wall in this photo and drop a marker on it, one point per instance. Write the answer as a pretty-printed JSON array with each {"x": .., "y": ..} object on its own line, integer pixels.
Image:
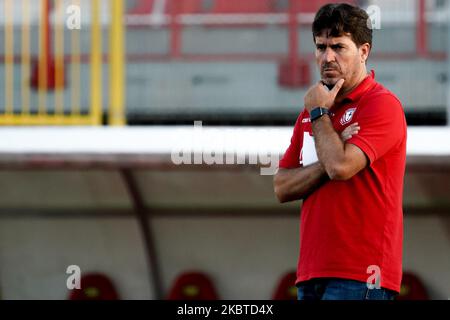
[
  {"x": 35, "y": 253},
  {"x": 427, "y": 252},
  {"x": 245, "y": 256}
]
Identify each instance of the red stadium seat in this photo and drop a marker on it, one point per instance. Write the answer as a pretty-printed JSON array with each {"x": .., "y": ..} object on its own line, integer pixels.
[
  {"x": 193, "y": 285},
  {"x": 142, "y": 7},
  {"x": 186, "y": 6},
  {"x": 247, "y": 6},
  {"x": 412, "y": 288},
  {"x": 286, "y": 289},
  {"x": 296, "y": 76},
  {"x": 95, "y": 286},
  {"x": 313, "y": 6}
]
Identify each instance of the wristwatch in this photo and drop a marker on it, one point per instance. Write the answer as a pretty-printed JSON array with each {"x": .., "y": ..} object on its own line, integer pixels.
[{"x": 317, "y": 112}]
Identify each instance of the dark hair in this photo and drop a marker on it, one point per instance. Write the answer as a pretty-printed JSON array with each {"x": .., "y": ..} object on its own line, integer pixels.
[{"x": 342, "y": 18}]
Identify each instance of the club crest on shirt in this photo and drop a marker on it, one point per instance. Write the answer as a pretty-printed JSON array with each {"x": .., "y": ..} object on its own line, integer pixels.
[{"x": 348, "y": 115}]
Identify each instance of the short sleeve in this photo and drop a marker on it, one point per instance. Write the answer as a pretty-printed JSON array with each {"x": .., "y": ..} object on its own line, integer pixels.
[
  {"x": 291, "y": 157},
  {"x": 383, "y": 126}
]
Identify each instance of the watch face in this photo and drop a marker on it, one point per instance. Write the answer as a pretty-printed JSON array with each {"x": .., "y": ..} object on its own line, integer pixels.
[
  {"x": 315, "y": 113},
  {"x": 318, "y": 112}
]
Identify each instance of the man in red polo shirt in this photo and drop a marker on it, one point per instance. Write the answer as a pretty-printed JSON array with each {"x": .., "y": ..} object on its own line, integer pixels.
[{"x": 351, "y": 228}]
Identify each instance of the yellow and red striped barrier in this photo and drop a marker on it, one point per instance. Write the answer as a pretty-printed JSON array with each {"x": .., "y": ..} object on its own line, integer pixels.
[{"x": 48, "y": 77}]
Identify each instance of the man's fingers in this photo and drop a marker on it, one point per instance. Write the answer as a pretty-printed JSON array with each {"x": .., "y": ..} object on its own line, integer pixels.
[
  {"x": 350, "y": 131},
  {"x": 337, "y": 86},
  {"x": 352, "y": 127},
  {"x": 346, "y": 137}
]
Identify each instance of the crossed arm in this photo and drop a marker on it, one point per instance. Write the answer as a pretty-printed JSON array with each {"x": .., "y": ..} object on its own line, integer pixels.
[
  {"x": 298, "y": 183},
  {"x": 337, "y": 161}
]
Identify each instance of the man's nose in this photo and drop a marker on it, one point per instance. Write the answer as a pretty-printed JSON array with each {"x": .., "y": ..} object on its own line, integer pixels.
[{"x": 329, "y": 55}]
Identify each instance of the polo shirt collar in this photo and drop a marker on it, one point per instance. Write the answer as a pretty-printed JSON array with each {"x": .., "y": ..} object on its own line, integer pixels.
[{"x": 362, "y": 88}]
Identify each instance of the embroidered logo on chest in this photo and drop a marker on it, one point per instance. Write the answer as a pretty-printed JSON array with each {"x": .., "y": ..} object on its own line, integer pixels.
[{"x": 348, "y": 115}]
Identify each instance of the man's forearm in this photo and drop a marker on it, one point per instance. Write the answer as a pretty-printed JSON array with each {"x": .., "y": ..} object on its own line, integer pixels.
[
  {"x": 329, "y": 146},
  {"x": 296, "y": 184}
]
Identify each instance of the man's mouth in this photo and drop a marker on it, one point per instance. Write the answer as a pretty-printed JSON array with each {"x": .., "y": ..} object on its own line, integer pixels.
[
  {"x": 330, "y": 73},
  {"x": 330, "y": 68}
]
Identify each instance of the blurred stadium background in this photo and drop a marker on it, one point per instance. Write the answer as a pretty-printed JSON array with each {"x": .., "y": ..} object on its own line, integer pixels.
[{"x": 90, "y": 117}]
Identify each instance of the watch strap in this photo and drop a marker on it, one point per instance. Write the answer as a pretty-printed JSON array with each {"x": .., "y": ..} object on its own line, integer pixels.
[{"x": 318, "y": 112}]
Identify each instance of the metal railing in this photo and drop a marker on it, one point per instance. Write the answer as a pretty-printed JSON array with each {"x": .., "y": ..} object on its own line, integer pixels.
[
  {"x": 171, "y": 17},
  {"x": 44, "y": 77}
]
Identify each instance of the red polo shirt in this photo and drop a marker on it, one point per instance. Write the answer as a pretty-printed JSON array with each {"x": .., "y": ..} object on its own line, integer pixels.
[{"x": 350, "y": 227}]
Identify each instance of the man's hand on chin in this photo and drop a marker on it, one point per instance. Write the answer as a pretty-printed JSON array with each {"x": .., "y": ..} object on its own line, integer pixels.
[{"x": 319, "y": 95}]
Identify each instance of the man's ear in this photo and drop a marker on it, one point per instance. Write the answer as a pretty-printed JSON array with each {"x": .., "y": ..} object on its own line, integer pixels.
[{"x": 364, "y": 50}]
